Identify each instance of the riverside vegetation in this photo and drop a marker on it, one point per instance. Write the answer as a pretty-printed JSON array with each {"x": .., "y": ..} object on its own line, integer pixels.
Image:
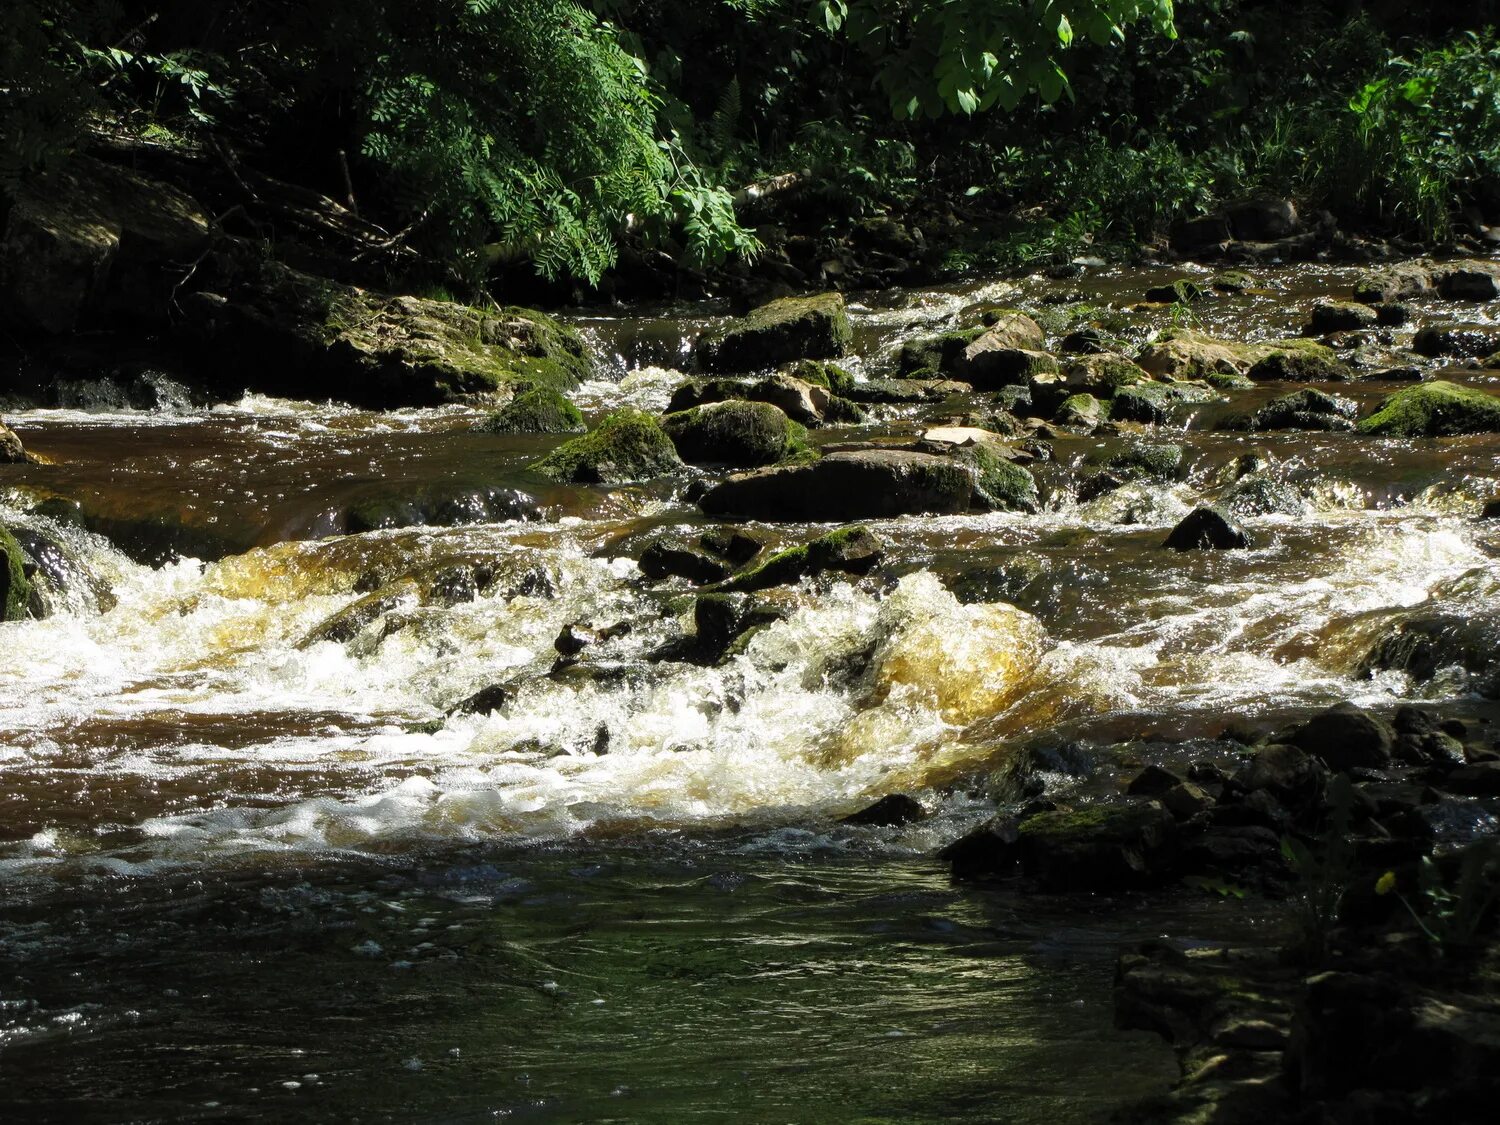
[{"x": 669, "y": 561}]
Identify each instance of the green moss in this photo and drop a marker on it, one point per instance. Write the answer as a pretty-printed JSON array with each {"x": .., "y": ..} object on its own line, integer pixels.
[
  {"x": 791, "y": 328},
  {"x": 627, "y": 445},
  {"x": 854, "y": 550},
  {"x": 15, "y": 587},
  {"x": 822, "y": 374},
  {"x": 1000, "y": 484},
  {"x": 1080, "y": 410},
  {"x": 1227, "y": 381},
  {"x": 1154, "y": 402},
  {"x": 1183, "y": 291},
  {"x": 929, "y": 357},
  {"x": 1067, "y": 823},
  {"x": 734, "y": 432},
  {"x": 538, "y": 410},
  {"x": 1159, "y": 461},
  {"x": 1297, "y": 361},
  {"x": 1437, "y": 409},
  {"x": 1232, "y": 281}
]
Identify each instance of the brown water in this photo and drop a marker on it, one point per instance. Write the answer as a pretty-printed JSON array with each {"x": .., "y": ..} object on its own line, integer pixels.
[{"x": 235, "y": 853}]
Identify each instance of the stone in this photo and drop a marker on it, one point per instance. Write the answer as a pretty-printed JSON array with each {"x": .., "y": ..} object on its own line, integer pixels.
[
  {"x": 1306, "y": 409},
  {"x": 820, "y": 373},
  {"x": 485, "y": 701},
  {"x": 1394, "y": 283},
  {"x": 890, "y": 811},
  {"x": 12, "y": 452},
  {"x": 1263, "y": 220},
  {"x": 850, "y": 550},
  {"x": 15, "y": 584},
  {"x": 1196, "y": 235},
  {"x": 1186, "y": 801},
  {"x": 1081, "y": 410},
  {"x": 1340, "y": 316},
  {"x": 1287, "y": 771},
  {"x": 1184, "y": 291},
  {"x": 863, "y": 484},
  {"x": 778, "y": 332},
  {"x": 1466, "y": 341},
  {"x": 1436, "y": 409},
  {"x": 991, "y": 849},
  {"x": 1153, "y": 781},
  {"x": 943, "y": 353},
  {"x": 534, "y": 410},
  {"x": 1346, "y": 737},
  {"x": 802, "y": 402},
  {"x": 1100, "y": 848},
  {"x": 1298, "y": 361},
  {"x": 1207, "y": 529},
  {"x": 628, "y": 445},
  {"x": 1004, "y": 367},
  {"x": 734, "y": 432},
  {"x": 355, "y": 618},
  {"x": 1469, "y": 281},
  {"x": 1155, "y": 403},
  {"x": 662, "y": 560}
]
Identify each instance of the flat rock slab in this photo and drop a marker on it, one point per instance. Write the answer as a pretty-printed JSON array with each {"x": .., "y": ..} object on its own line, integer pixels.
[{"x": 866, "y": 484}]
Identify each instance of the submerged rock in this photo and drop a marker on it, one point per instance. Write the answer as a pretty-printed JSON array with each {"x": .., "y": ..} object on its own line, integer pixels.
[
  {"x": 1437, "y": 409},
  {"x": 864, "y": 484},
  {"x": 1183, "y": 291},
  {"x": 535, "y": 410},
  {"x": 1301, "y": 410},
  {"x": 1207, "y": 529},
  {"x": 662, "y": 560},
  {"x": 1340, "y": 316},
  {"x": 734, "y": 432},
  {"x": 791, "y": 328},
  {"x": 1155, "y": 403},
  {"x": 629, "y": 445}
]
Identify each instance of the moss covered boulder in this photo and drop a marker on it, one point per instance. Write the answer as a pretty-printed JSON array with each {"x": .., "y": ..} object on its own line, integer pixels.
[
  {"x": 802, "y": 402},
  {"x": 853, "y": 485},
  {"x": 1102, "y": 848},
  {"x": 1081, "y": 410},
  {"x": 849, "y": 550},
  {"x": 1340, "y": 316},
  {"x": 784, "y": 330},
  {"x": 276, "y": 330},
  {"x": 930, "y": 356},
  {"x": 734, "y": 432},
  {"x": 628, "y": 445},
  {"x": 1155, "y": 403},
  {"x": 12, "y": 452},
  {"x": 1006, "y": 367},
  {"x": 1296, "y": 361},
  {"x": 999, "y": 484},
  {"x": 1183, "y": 291},
  {"x": 820, "y": 373},
  {"x": 536, "y": 410},
  {"x": 15, "y": 587},
  {"x": 1437, "y": 409},
  {"x": 1103, "y": 373}
]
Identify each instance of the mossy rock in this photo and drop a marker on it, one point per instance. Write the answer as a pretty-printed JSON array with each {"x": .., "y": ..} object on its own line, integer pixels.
[
  {"x": 1232, "y": 281},
  {"x": 1154, "y": 403},
  {"x": 734, "y": 432},
  {"x": 1103, "y": 848},
  {"x": 1298, "y": 361},
  {"x": 1080, "y": 410},
  {"x": 823, "y": 374},
  {"x": 849, "y": 550},
  {"x": 1468, "y": 341},
  {"x": 536, "y": 410},
  {"x": 1152, "y": 460},
  {"x": 1225, "y": 381},
  {"x": 1437, "y": 409},
  {"x": 278, "y": 330},
  {"x": 781, "y": 331},
  {"x": 1183, "y": 291},
  {"x": 1002, "y": 367},
  {"x": 1104, "y": 373},
  {"x": 999, "y": 485},
  {"x": 1182, "y": 354},
  {"x": 628, "y": 445},
  {"x": 932, "y": 357},
  {"x": 1341, "y": 316},
  {"x": 15, "y": 587}
]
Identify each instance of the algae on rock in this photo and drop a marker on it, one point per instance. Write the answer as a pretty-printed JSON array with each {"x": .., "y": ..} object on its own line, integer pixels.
[{"x": 628, "y": 445}]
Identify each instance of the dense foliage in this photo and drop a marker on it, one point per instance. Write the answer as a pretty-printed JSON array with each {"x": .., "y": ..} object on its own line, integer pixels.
[{"x": 487, "y": 132}]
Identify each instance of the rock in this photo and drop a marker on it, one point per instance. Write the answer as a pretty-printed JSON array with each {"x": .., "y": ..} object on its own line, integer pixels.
[
  {"x": 15, "y": 585},
  {"x": 1261, "y": 494},
  {"x": 1191, "y": 355},
  {"x": 92, "y": 242},
  {"x": 535, "y": 410},
  {"x": 355, "y": 618},
  {"x": 1436, "y": 409},
  {"x": 865, "y": 484},
  {"x": 802, "y": 402},
  {"x": 890, "y": 811},
  {"x": 1477, "y": 779},
  {"x": 1184, "y": 291},
  {"x": 1147, "y": 460},
  {"x": 1207, "y": 529},
  {"x": 1099, "y": 848},
  {"x": 1082, "y": 410},
  {"x": 1468, "y": 341},
  {"x": 1263, "y": 220},
  {"x": 577, "y": 636},
  {"x": 999, "y": 484},
  {"x": 907, "y": 390},
  {"x": 1469, "y": 281},
  {"x": 944, "y": 352},
  {"x": 1084, "y": 341},
  {"x": 1346, "y": 737},
  {"x": 1002, "y": 367},
  {"x": 485, "y": 701},
  {"x": 1301, "y": 410},
  {"x": 1197, "y": 235},
  {"x": 734, "y": 433},
  {"x": 1394, "y": 283},
  {"x": 1155, "y": 403},
  {"x": 1424, "y": 642},
  {"x": 1491, "y": 509},
  {"x": 1340, "y": 316},
  {"x": 819, "y": 373},
  {"x": 991, "y": 849},
  {"x": 12, "y": 452},
  {"x": 401, "y": 505},
  {"x": 276, "y": 330},
  {"x": 1186, "y": 801},
  {"x": 1232, "y": 281},
  {"x": 791, "y": 328},
  {"x": 628, "y": 445},
  {"x": 849, "y": 550},
  {"x": 661, "y": 560},
  {"x": 1287, "y": 771},
  {"x": 1298, "y": 361},
  {"x": 1010, "y": 332},
  {"x": 731, "y": 543},
  {"x": 1392, "y": 315},
  {"x": 1103, "y": 374},
  {"x": 1153, "y": 781}
]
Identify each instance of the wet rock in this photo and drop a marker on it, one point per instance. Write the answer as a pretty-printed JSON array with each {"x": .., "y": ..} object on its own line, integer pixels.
[
  {"x": 662, "y": 560},
  {"x": 1340, "y": 316},
  {"x": 1155, "y": 403},
  {"x": 437, "y": 505},
  {"x": 868, "y": 484},
  {"x": 1469, "y": 281},
  {"x": 1207, "y": 529},
  {"x": 1099, "y": 848},
  {"x": 1083, "y": 341},
  {"x": 485, "y": 701},
  {"x": 15, "y": 585},
  {"x": 802, "y": 402},
  {"x": 628, "y": 445},
  {"x": 991, "y": 849},
  {"x": 1232, "y": 281},
  {"x": 781, "y": 331},
  {"x": 849, "y": 550},
  {"x": 1261, "y": 494},
  {"x": 1010, "y": 331},
  {"x": 1424, "y": 642},
  {"x": 1475, "y": 779},
  {"x": 1393, "y": 315},
  {"x": 819, "y": 373},
  {"x": 734, "y": 432},
  {"x": 1184, "y": 291},
  {"x": 1001, "y": 367},
  {"x": 1191, "y": 355},
  {"x": 1264, "y": 220},
  {"x": 92, "y": 242},
  {"x": 1288, "y": 772},
  {"x": 1470, "y": 341},
  {"x": 12, "y": 452},
  {"x": 730, "y": 543},
  {"x": 890, "y": 811},
  {"x": 1153, "y": 781},
  {"x": 1491, "y": 509},
  {"x": 1346, "y": 737},
  {"x": 355, "y": 618},
  {"x": 1103, "y": 374},
  {"x": 535, "y": 410},
  {"x": 577, "y": 636},
  {"x": 1000, "y": 485},
  {"x": 1436, "y": 409},
  {"x": 907, "y": 390},
  {"x": 276, "y": 330},
  {"x": 1186, "y": 801},
  {"x": 1081, "y": 410},
  {"x": 1299, "y": 361},
  {"x": 1193, "y": 236},
  {"x": 1394, "y": 283},
  {"x": 1307, "y": 409},
  {"x": 943, "y": 354}
]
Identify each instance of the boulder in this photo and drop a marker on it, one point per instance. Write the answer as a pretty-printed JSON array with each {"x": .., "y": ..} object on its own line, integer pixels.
[
  {"x": 12, "y": 452},
  {"x": 277, "y": 330},
  {"x": 1100, "y": 848},
  {"x": 92, "y": 242},
  {"x": 891, "y": 811},
  {"x": 943, "y": 353},
  {"x": 628, "y": 445},
  {"x": 1340, "y": 316},
  {"x": 849, "y": 550},
  {"x": 1301, "y": 410},
  {"x": 1103, "y": 374},
  {"x": 1469, "y": 281},
  {"x": 1297, "y": 361},
  {"x": 1346, "y": 737},
  {"x": 1192, "y": 355},
  {"x": 999, "y": 484},
  {"x": 1263, "y": 220},
  {"x": 1207, "y": 529},
  {"x": 820, "y": 373},
  {"x": 1184, "y": 291},
  {"x": 1423, "y": 642},
  {"x": 781, "y": 331},
  {"x": 15, "y": 585},
  {"x": 1155, "y": 403},
  {"x": 863, "y": 484},
  {"x": 906, "y": 390},
  {"x": 1082, "y": 410},
  {"x": 1436, "y": 409},
  {"x": 734, "y": 432},
  {"x": 663, "y": 560},
  {"x": 802, "y": 402},
  {"x": 1394, "y": 283},
  {"x": 535, "y": 410},
  {"x": 1287, "y": 772},
  {"x": 1468, "y": 341},
  {"x": 1004, "y": 367},
  {"x": 1232, "y": 281},
  {"x": 720, "y": 619}
]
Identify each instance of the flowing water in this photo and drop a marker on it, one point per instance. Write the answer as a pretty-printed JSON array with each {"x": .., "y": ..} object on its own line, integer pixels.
[{"x": 254, "y": 865}]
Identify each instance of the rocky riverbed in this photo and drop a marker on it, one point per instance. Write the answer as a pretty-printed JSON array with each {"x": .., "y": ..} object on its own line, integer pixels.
[{"x": 373, "y": 639}]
